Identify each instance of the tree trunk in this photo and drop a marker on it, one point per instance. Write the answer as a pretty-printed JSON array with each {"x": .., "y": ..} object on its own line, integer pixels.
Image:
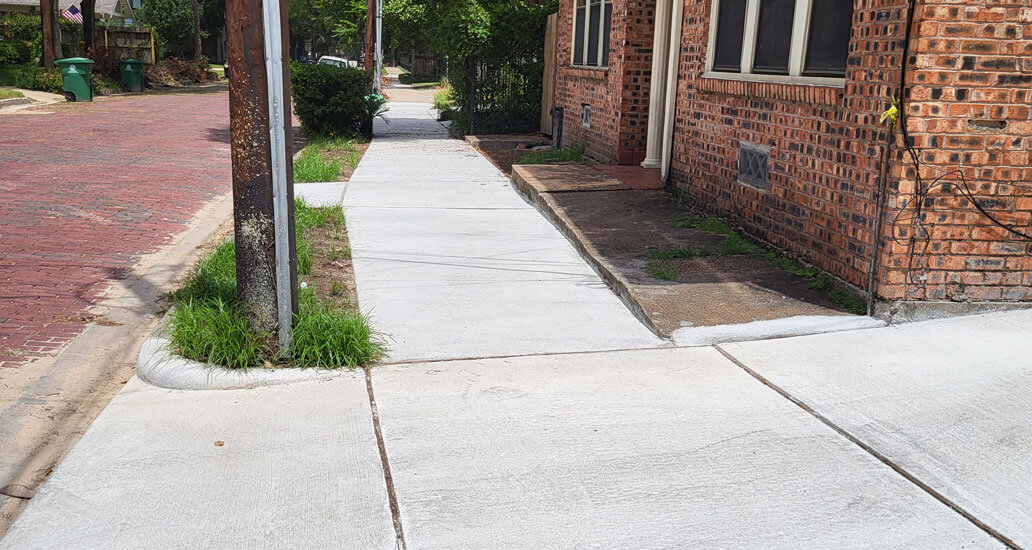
[
  {"x": 254, "y": 226},
  {"x": 197, "y": 30},
  {"x": 46, "y": 14},
  {"x": 370, "y": 37},
  {"x": 89, "y": 18}
]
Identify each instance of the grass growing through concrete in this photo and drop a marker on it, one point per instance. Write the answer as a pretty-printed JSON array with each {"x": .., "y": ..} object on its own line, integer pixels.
[
  {"x": 661, "y": 270},
  {"x": 327, "y": 159},
  {"x": 569, "y": 154},
  {"x": 10, "y": 94},
  {"x": 674, "y": 253},
  {"x": 734, "y": 244},
  {"x": 208, "y": 324}
]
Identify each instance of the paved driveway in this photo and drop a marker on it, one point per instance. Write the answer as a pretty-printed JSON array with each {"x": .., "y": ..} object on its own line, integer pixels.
[{"x": 84, "y": 192}]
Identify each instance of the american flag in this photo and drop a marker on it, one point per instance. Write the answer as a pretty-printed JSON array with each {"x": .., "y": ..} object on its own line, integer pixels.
[{"x": 73, "y": 14}]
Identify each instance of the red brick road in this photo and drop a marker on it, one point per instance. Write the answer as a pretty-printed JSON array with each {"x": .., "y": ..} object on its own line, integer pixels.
[{"x": 88, "y": 189}]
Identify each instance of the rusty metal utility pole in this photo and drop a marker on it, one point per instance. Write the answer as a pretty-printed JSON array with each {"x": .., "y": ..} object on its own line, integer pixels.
[
  {"x": 263, "y": 193},
  {"x": 46, "y": 15}
]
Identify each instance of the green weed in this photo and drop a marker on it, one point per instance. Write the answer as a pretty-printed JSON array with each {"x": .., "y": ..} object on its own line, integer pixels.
[
  {"x": 311, "y": 166},
  {"x": 208, "y": 325},
  {"x": 575, "y": 154},
  {"x": 661, "y": 270},
  {"x": 673, "y": 253},
  {"x": 735, "y": 245},
  {"x": 820, "y": 282},
  {"x": 335, "y": 288},
  {"x": 850, "y": 303},
  {"x": 215, "y": 331}
]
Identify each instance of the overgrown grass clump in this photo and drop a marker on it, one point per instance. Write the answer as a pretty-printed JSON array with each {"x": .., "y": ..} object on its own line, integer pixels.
[
  {"x": 323, "y": 158},
  {"x": 10, "y": 94},
  {"x": 569, "y": 154},
  {"x": 208, "y": 324},
  {"x": 662, "y": 270}
]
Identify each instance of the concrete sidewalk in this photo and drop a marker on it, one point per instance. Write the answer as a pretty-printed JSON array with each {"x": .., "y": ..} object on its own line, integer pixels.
[
  {"x": 450, "y": 262},
  {"x": 662, "y": 448}
]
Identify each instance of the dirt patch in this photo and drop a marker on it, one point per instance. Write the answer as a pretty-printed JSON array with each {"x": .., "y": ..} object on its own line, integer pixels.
[
  {"x": 505, "y": 150},
  {"x": 677, "y": 265},
  {"x": 332, "y": 276}
]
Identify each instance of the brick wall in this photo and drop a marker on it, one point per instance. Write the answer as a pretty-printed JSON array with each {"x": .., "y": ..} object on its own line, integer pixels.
[
  {"x": 826, "y": 144},
  {"x": 618, "y": 95},
  {"x": 970, "y": 80}
]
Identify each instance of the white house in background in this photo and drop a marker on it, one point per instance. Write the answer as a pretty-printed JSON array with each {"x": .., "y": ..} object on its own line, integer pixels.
[{"x": 107, "y": 10}]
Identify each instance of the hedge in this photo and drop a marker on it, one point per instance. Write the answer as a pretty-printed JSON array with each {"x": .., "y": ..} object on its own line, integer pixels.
[{"x": 328, "y": 99}]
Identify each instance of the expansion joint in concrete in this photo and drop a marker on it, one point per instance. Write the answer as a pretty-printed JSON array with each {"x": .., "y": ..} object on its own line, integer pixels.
[
  {"x": 873, "y": 452},
  {"x": 385, "y": 464}
]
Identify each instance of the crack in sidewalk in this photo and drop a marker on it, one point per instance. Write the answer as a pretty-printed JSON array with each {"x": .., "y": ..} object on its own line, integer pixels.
[
  {"x": 385, "y": 464},
  {"x": 1000, "y": 537}
]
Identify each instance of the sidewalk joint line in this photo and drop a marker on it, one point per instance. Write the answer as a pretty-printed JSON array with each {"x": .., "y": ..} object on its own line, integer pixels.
[
  {"x": 392, "y": 498},
  {"x": 873, "y": 452}
]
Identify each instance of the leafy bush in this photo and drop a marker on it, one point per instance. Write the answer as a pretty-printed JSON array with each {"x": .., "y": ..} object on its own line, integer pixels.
[
  {"x": 48, "y": 81},
  {"x": 327, "y": 99},
  {"x": 22, "y": 33},
  {"x": 9, "y": 53}
]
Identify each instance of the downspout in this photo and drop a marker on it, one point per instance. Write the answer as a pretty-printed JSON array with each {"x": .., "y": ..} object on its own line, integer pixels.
[
  {"x": 673, "y": 61},
  {"x": 883, "y": 176}
]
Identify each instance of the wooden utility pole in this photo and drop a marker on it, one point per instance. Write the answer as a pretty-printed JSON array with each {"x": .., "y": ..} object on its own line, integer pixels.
[
  {"x": 197, "y": 29},
  {"x": 259, "y": 162},
  {"x": 370, "y": 36},
  {"x": 89, "y": 20},
  {"x": 46, "y": 16}
]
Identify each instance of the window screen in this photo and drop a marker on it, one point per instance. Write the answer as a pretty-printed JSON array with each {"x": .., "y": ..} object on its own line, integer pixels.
[
  {"x": 828, "y": 42},
  {"x": 578, "y": 33},
  {"x": 595, "y": 12},
  {"x": 730, "y": 26},
  {"x": 774, "y": 36}
]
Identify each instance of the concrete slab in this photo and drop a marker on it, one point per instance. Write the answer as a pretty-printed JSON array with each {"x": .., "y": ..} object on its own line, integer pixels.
[
  {"x": 947, "y": 400},
  {"x": 673, "y": 448},
  {"x": 774, "y": 328},
  {"x": 551, "y": 178},
  {"x": 328, "y": 193},
  {"x": 451, "y": 262},
  {"x": 299, "y": 467}
]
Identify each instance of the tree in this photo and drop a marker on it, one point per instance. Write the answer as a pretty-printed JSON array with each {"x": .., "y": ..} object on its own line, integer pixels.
[{"x": 172, "y": 19}]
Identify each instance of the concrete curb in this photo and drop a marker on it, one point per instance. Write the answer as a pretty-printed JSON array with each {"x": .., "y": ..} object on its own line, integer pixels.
[
  {"x": 800, "y": 325},
  {"x": 11, "y": 102},
  {"x": 557, "y": 215},
  {"x": 158, "y": 366}
]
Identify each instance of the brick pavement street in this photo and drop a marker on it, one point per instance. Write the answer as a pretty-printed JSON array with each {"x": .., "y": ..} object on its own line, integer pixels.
[{"x": 86, "y": 190}]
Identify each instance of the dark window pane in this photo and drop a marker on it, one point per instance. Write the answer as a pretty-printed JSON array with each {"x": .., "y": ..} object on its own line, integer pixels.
[
  {"x": 828, "y": 43},
  {"x": 730, "y": 26},
  {"x": 605, "y": 35},
  {"x": 774, "y": 36},
  {"x": 578, "y": 33},
  {"x": 595, "y": 13}
]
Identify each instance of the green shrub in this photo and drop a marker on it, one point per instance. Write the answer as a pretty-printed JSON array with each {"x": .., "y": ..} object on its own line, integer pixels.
[
  {"x": 48, "y": 81},
  {"x": 22, "y": 32},
  {"x": 9, "y": 54},
  {"x": 329, "y": 100}
]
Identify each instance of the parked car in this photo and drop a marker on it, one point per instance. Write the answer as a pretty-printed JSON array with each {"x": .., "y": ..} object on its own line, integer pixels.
[
  {"x": 306, "y": 59},
  {"x": 336, "y": 61}
]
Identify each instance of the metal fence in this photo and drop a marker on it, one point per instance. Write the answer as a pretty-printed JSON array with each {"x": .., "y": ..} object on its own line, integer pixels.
[{"x": 504, "y": 93}]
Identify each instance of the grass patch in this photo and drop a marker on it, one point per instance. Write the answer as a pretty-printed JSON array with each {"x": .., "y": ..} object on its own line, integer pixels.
[
  {"x": 443, "y": 99},
  {"x": 662, "y": 270},
  {"x": 209, "y": 325},
  {"x": 735, "y": 245},
  {"x": 574, "y": 154},
  {"x": 10, "y": 94},
  {"x": 327, "y": 159},
  {"x": 850, "y": 303},
  {"x": 674, "y": 253}
]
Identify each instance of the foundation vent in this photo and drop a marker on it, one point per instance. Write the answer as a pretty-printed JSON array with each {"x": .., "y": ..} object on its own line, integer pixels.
[{"x": 752, "y": 165}]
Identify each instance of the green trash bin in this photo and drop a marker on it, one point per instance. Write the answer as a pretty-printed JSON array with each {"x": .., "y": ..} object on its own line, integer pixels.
[
  {"x": 77, "y": 76},
  {"x": 131, "y": 73}
]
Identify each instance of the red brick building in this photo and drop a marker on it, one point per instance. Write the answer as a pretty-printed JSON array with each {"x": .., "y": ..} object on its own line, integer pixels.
[{"x": 767, "y": 113}]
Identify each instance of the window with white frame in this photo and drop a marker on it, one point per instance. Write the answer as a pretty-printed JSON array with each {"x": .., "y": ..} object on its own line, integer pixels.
[
  {"x": 591, "y": 23},
  {"x": 780, "y": 39}
]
